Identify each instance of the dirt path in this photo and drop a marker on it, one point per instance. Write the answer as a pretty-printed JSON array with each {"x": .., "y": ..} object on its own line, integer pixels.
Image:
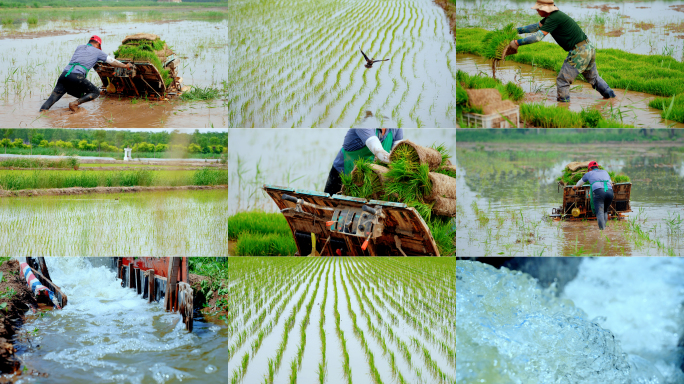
[
  {"x": 12, "y": 316},
  {"x": 85, "y": 191}
]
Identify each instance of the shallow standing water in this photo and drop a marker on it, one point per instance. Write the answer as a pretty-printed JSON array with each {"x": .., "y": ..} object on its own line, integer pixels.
[
  {"x": 109, "y": 334},
  {"x": 516, "y": 189},
  {"x": 30, "y": 68},
  {"x": 299, "y": 64}
]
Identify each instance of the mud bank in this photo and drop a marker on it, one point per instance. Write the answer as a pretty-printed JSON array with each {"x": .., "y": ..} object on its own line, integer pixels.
[
  {"x": 86, "y": 191},
  {"x": 12, "y": 316}
]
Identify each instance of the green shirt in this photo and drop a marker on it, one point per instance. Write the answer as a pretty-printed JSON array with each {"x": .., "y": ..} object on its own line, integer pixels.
[{"x": 564, "y": 30}]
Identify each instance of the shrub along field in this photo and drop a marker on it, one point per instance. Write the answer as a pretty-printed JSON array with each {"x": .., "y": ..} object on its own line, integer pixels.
[
  {"x": 37, "y": 179},
  {"x": 333, "y": 320}
]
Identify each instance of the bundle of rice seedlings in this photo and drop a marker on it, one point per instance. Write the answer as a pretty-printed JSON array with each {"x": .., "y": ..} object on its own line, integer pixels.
[
  {"x": 572, "y": 174},
  {"x": 407, "y": 181},
  {"x": 495, "y": 42},
  {"x": 415, "y": 153},
  {"x": 365, "y": 181},
  {"x": 144, "y": 49}
]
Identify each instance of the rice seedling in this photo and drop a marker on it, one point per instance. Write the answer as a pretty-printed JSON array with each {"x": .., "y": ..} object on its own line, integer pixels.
[
  {"x": 494, "y": 43},
  {"x": 427, "y": 294},
  {"x": 32, "y": 20}
]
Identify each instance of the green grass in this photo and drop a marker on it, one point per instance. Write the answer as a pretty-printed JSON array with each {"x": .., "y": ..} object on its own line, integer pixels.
[
  {"x": 480, "y": 81},
  {"x": 543, "y": 116},
  {"x": 655, "y": 74},
  {"x": 672, "y": 107},
  {"x": 39, "y": 179},
  {"x": 565, "y": 136},
  {"x": 7, "y": 21},
  {"x": 32, "y": 20},
  {"x": 257, "y": 222},
  {"x": 56, "y": 151},
  {"x": 19, "y": 162},
  {"x": 199, "y": 93}
]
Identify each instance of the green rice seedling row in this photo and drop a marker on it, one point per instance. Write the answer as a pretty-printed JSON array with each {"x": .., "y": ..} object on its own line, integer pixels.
[{"x": 388, "y": 320}]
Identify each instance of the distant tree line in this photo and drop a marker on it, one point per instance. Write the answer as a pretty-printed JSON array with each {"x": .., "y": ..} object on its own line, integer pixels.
[{"x": 115, "y": 141}]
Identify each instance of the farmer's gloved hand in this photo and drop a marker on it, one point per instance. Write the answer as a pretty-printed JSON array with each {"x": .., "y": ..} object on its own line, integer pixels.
[{"x": 373, "y": 143}]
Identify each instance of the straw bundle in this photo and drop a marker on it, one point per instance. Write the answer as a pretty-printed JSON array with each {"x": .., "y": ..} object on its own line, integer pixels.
[
  {"x": 442, "y": 186},
  {"x": 444, "y": 206}
]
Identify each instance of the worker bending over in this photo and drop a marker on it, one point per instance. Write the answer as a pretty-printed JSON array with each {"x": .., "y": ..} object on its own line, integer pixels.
[
  {"x": 360, "y": 143},
  {"x": 73, "y": 78},
  {"x": 602, "y": 192},
  {"x": 581, "y": 52}
]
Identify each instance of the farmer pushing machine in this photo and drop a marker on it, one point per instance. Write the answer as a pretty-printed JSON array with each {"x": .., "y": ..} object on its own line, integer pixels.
[
  {"x": 581, "y": 52},
  {"x": 73, "y": 78},
  {"x": 144, "y": 67}
]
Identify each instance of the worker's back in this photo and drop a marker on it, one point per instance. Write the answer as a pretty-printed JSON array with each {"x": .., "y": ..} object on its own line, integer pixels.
[{"x": 564, "y": 30}]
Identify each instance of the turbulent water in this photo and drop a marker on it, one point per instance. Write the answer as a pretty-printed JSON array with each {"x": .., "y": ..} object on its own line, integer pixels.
[
  {"x": 109, "y": 334},
  {"x": 509, "y": 330}
]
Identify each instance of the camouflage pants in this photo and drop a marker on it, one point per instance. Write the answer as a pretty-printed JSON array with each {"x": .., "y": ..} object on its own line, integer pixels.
[{"x": 581, "y": 60}]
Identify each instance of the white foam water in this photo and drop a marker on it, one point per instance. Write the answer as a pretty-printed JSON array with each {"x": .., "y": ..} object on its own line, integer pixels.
[{"x": 107, "y": 333}]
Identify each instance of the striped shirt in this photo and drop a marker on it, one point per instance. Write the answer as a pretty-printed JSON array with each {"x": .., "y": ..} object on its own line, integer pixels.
[
  {"x": 355, "y": 139},
  {"x": 87, "y": 56}
]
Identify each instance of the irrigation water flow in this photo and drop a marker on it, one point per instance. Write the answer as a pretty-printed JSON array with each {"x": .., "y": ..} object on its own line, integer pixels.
[
  {"x": 618, "y": 321},
  {"x": 109, "y": 334}
]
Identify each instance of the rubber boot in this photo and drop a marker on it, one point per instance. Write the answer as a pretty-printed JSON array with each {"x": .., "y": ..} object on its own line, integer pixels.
[{"x": 74, "y": 106}]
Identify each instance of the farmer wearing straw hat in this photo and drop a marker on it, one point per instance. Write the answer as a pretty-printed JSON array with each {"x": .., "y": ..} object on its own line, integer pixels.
[
  {"x": 581, "y": 53},
  {"x": 360, "y": 143},
  {"x": 73, "y": 78},
  {"x": 601, "y": 192}
]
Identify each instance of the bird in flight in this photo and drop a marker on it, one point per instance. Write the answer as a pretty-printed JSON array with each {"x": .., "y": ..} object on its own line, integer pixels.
[{"x": 369, "y": 62}]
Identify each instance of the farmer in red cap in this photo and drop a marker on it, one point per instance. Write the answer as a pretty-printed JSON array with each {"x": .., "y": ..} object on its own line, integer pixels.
[
  {"x": 73, "y": 78},
  {"x": 581, "y": 52},
  {"x": 602, "y": 192}
]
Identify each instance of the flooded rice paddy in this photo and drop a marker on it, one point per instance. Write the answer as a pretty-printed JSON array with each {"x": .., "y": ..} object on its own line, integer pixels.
[
  {"x": 617, "y": 321},
  {"x": 107, "y": 333},
  {"x": 506, "y": 192},
  {"x": 644, "y": 27},
  {"x": 29, "y": 69},
  {"x": 169, "y": 223},
  {"x": 342, "y": 320},
  {"x": 299, "y": 64},
  {"x": 295, "y": 158},
  {"x": 540, "y": 85}
]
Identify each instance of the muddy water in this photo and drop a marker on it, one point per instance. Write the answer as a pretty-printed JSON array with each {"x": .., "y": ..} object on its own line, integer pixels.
[
  {"x": 540, "y": 86},
  {"x": 517, "y": 193},
  {"x": 190, "y": 223},
  {"x": 107, "y": 333},
  {"x": 613, "y": 26},
  {"x": 30, "y": 68},
  {"x": 305, "y": 69},
  {"x": 296, "y": 158}
]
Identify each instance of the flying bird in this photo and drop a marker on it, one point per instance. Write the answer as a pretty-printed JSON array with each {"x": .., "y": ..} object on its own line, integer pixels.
[{"x": 369, "y": 62}]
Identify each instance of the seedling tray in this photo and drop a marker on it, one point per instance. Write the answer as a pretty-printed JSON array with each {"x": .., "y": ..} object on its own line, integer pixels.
[{"x": 495, "y": 120}]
